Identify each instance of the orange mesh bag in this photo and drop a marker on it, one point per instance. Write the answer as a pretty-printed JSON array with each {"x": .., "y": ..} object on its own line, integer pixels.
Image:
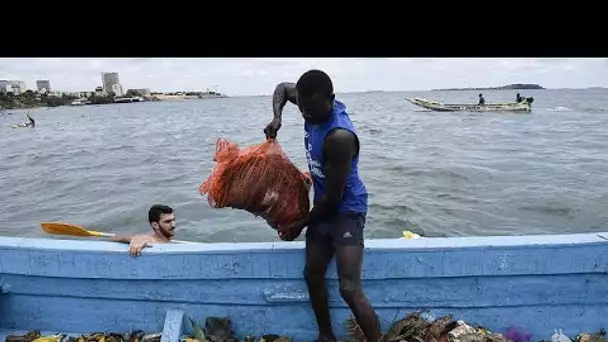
[{"x": 259, "y": 179}]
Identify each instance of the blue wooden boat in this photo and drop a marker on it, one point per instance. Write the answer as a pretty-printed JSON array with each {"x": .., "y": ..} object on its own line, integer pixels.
[{"x": 539, "y": 283}]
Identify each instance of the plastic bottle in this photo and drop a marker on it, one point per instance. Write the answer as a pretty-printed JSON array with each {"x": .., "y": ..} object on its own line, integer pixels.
[{"x": 558, "y": 336}]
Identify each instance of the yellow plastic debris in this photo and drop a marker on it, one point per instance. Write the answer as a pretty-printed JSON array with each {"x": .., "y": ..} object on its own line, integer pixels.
[
  {"x": 410, "y": 235},
  {"x": 50, "y": 338}
]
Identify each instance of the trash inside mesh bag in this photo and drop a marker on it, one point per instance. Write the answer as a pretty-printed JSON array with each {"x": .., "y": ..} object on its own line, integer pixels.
[{"x": 259, "y": 179}]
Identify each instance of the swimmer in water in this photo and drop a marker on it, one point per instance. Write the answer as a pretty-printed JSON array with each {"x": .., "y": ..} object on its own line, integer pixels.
[
  {"x": 162, "y": 222},
  {"x": 31, "y": 123}
]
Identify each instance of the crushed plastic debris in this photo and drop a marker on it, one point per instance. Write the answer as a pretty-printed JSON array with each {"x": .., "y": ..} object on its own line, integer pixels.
[
  {"x": 133, "y": 336},
  {"x": 517, "y": 334},
  {"x": 424, "y": 327},
  {"x": 408, "y": 235},
  {"x": 415, "y": 327},
  {"x": 27, "y": 337},
  {"x": 216, "y": 329},
  {"x": 600, "y": 337},
  {"x": 559, "y": 336},
  {"x": 219, "y": 329}
]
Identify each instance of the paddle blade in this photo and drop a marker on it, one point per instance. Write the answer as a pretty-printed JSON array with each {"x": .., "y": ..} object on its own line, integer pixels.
[{"x": 60, "y": 228}]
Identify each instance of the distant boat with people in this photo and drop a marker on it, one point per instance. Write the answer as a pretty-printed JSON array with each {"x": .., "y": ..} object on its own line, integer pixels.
[{"x": 522, "y": 106}]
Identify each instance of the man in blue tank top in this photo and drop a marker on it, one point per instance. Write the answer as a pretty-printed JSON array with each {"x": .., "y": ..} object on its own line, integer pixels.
[{"x": 335, "y": 223}]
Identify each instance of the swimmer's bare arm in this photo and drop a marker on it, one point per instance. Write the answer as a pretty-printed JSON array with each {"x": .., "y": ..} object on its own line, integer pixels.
[
  {"x": 136, "y": 242},
  {"x": 125, "y": 238},
  {"x": 284, "y": 92}
]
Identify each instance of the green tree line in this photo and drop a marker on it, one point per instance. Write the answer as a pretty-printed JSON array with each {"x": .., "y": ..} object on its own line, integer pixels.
[{"x": 32, "y": 99}]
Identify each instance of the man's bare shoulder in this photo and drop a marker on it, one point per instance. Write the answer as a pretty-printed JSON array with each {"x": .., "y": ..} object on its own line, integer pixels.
[
  {"x": 340, "y": 136},
  {"x": 154, "y": 238},
  {"x": 149, "y": 238},
  {"x": 340, "y": 142}
]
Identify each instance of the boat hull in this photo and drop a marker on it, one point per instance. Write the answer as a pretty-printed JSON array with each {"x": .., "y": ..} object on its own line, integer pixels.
[
  {"x": 489, "y": 107},
  {"x": 534, "y": 282}
]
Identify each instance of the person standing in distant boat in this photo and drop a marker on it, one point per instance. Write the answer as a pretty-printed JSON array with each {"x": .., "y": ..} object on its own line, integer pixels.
[
  {"x": 518, "y": 98},
  {"x": 162, "y": 221},
  {"x": 336, "y": 221},
  {"x": 482, "y": 101}
]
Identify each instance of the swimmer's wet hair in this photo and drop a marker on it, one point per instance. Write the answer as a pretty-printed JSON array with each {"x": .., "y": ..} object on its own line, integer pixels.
[
  {"x": 315, "y": 82},
  {"x": 156, "y": 210}
]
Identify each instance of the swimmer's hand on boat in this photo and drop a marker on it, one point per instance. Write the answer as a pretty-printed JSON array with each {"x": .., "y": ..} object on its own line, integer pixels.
[{"x": 138, "y": 243}]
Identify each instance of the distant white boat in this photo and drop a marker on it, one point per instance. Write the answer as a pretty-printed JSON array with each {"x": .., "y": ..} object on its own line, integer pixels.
[
  {"x": 524, "y": 106},
  {"x": 128, "y": 99},
  {"x": 80, "y": 102},
  {"x": 211, "y": 95}
]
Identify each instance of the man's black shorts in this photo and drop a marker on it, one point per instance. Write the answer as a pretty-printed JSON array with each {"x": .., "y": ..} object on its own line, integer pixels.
[{"x": 341, "y": 229}]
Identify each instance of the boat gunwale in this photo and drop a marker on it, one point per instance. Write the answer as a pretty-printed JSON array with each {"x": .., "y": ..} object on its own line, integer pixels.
[
  {"x": 431, "y": 244},
  {"x": 425, "y": 257},
  {"x": 483, "y": 266}
]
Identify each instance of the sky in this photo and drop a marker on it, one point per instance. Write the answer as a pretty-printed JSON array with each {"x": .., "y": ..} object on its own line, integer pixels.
[{"x": 259, "y": 76}]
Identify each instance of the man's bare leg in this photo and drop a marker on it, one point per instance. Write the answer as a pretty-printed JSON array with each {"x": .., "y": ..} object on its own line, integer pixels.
[
  {"x": 349, "y": 260},
  {"x": 318, "y": 257}
]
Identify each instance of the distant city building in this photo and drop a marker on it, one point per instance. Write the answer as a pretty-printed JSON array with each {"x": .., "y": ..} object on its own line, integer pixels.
[
  {"x": 108, "y": 82},
  {"x": 43, "y": 86},
  {"x": 66, "y": 93},
  {"x": 86, "y": 93},
  {"x": 117, "y": 90},
  {"x": 99, "y": 91},
  {"x": 141, "y": 92},
  {"x": 15, "y": 87}
]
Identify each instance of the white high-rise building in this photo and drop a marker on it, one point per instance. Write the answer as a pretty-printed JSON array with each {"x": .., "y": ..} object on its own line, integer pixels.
[
  {"x": 117, "y": 90},
  {"x": 109, "y": 80},
  {"x": 15, "y": 87},
  {"x": 43, "y": 86}
]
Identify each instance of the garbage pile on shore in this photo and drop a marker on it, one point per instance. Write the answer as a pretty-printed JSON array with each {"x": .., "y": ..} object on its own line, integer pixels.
[{"x": 415, "y": 327}]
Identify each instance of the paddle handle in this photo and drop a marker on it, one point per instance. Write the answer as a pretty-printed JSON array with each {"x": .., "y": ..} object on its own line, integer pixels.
[
  {"x": 182, "y": 241},
  {"x": 100, "y": 234}
]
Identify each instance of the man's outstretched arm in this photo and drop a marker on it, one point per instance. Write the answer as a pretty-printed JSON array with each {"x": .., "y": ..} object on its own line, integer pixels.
[{"x": 284, "y": 92}]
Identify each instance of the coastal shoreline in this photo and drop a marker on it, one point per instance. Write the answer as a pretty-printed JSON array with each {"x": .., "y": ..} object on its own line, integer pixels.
[
  {"x": 517, "y": 86},
  {"x": 30, "y": 100}
]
